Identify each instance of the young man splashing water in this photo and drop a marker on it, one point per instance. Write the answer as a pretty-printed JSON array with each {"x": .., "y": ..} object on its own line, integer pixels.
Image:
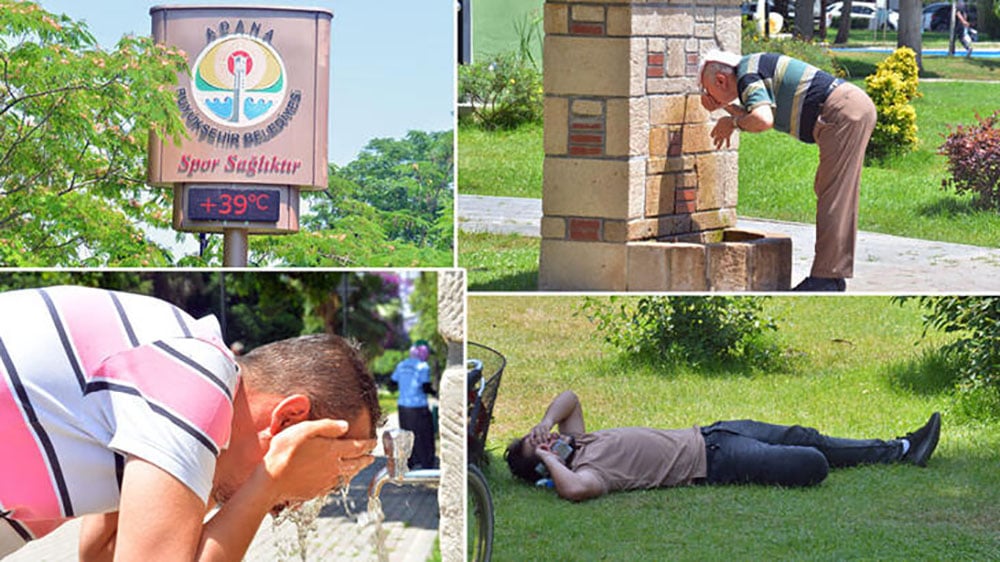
[{"x": 125, "y": 410}]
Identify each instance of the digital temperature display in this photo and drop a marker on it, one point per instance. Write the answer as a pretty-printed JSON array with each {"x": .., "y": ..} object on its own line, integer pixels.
[{"x": 233, "y": 204}]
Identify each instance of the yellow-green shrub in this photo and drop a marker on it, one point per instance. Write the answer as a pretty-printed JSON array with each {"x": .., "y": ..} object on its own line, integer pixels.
[{"x": 892, "y": 87}]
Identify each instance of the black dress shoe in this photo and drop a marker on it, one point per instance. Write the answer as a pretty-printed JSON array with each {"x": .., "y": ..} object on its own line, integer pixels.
[
  {"x": 821, "y": 284},
  {"x": 923, "y": 441}
]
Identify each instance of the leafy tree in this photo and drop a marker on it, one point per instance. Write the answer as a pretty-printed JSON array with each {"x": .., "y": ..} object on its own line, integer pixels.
[
  {"x": 74, "y": 121},
  {"x": 392, "y": 207},
  {"x": 356, "y": 238},
  {"x": 407, "y": 181},
  {"x": 975, "y": 353}
]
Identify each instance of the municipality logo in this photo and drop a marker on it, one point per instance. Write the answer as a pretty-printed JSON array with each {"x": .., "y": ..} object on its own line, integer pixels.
[{"x": 238, "y": 81}]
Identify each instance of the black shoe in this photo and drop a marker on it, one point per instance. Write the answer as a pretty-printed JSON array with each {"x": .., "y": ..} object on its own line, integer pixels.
[
  {"x": 821, "y": 284},
  {"x": 923, "y": 441}
]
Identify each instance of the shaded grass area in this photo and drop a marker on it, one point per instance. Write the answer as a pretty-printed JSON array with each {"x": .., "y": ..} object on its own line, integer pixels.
[{"x": 857, "y": 374}]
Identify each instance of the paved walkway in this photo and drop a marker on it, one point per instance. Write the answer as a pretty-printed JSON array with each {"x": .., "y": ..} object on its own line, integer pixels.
[
  {"x": 411, "y": 523},
  {"x": 884, "y": 263}
]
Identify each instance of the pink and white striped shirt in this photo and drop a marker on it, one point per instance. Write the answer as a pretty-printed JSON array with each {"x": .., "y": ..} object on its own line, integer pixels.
[{"x": 90, "y": 376}]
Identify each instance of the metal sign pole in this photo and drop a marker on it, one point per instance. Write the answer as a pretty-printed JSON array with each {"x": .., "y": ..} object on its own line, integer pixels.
[{"x": 235, "y": 247}]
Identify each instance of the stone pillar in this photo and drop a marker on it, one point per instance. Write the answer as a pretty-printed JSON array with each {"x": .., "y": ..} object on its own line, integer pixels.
[
  {"x": 635, "y": 197},
  {"x": 451, "y": 493}
]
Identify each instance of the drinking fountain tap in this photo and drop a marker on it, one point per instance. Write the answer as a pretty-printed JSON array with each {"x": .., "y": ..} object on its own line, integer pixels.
[{"x": 398, "y": 445}]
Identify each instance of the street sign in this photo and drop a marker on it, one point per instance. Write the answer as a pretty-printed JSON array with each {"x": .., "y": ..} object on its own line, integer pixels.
[{"x": 255, "y": 103}]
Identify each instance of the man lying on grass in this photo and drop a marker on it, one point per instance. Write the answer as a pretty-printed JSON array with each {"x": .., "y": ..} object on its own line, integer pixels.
[{"x": 585, "y": 465}]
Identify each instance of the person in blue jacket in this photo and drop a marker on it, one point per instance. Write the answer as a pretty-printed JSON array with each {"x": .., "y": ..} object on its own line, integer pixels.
[{"x": 413, "y": 375}]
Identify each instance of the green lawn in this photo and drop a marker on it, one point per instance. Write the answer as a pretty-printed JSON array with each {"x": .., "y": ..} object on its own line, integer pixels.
[
  {"x": 499, "y": 262},
  {"x": 507, "y": 163},
  {"x": 857, "y": 373},
  {"x": 902, "y": 197}
]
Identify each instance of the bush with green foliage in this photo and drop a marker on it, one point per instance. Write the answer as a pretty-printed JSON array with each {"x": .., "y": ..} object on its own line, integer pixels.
[
  {"x": 974, "y": 160},
  {"x": 892, "y": 88},
  {"x": 812, "y": 53},
  {"x": 697, "y": 330},
  {"x": 975, "y": 354},
  {"x": 504, "y": 92}
]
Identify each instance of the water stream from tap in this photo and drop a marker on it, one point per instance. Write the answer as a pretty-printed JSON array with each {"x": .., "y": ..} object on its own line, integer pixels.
[
  {"x": 375, "y": 518},
  {"x": 304, "y": 516}
]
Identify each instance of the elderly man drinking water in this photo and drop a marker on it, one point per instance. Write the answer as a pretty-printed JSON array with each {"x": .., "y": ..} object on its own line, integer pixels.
[{"x": 767, "y": 90}]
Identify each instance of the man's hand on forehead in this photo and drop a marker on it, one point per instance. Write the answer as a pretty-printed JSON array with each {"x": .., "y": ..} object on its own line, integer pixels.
[{"x": 313, "y": 457}]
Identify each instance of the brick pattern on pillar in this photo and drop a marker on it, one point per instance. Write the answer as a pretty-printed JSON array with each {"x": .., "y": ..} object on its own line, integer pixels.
[
  {"x": 587, "y": 19},
  {"x": 587, "y": 127},
  {"x": 629, "y": 155}
]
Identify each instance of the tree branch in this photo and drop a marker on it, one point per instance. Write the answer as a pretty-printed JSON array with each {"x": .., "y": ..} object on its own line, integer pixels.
[
  {"x": 44, "y": 120},
  {"x": 63, "y": 90}
]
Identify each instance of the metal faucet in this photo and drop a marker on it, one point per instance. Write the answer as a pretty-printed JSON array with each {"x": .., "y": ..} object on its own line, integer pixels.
[{"x": 398, "y": 445}]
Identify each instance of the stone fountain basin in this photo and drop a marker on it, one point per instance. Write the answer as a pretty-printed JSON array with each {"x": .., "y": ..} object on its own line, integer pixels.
[{"x": 738, "y": 260}]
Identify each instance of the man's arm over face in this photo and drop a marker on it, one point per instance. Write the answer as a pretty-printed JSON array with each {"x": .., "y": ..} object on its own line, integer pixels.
[
  {"x": 566, "y": 412},
  {"x": 757, "y": 121},
  {"x": 570, "y": 485}
]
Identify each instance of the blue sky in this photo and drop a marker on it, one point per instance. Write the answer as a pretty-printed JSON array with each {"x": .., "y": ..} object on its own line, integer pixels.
[{"x": 392, "y": 61}]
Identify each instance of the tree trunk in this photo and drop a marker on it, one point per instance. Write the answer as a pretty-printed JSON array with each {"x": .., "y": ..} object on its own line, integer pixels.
[
  {"x": 804, "y": 19},
  {"x": 910, "y": 26},
  {"x": 822, "y": 19},
  {"x": 844, "y": 29},
  {"x": 781, "y": 6}
]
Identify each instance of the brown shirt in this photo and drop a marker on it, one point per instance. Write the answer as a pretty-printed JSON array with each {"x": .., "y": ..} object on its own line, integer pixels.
[{"x": 630, "y": 458}]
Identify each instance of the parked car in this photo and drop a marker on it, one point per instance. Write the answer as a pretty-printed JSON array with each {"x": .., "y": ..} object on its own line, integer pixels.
[
  {"x": 929, "y": 10},
  {"x": 940, "y": 18},
  {"x": 749, "y": 7},
  {"x": 864, "y": 15}
]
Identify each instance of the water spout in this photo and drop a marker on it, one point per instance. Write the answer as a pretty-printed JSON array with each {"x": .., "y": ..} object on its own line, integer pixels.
[{"x": 398, "y": 444}]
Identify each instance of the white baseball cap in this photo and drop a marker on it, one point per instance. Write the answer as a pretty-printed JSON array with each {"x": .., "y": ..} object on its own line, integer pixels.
[{"x": 715, "y": 55}]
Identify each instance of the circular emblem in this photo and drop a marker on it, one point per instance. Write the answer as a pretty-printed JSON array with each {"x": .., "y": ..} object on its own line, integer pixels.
[{"x": 238, "y": 81}]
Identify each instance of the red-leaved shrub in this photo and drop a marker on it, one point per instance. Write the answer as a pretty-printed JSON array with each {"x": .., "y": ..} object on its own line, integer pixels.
[{"x": 973, "y": 153}]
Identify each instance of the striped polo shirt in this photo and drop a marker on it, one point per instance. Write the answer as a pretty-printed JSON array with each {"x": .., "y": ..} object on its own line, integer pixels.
[
  {"x": 90, "y": 376},
  {"x": 794, "y": 89}
]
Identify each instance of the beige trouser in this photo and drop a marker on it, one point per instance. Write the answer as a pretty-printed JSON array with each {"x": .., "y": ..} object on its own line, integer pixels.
[{"x": 842, "y": 131}]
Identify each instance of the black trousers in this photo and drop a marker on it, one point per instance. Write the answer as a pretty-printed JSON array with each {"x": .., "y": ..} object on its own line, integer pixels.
[
  {"x": 745, "y": 451},
  {"x": 421, "y": 423}
]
